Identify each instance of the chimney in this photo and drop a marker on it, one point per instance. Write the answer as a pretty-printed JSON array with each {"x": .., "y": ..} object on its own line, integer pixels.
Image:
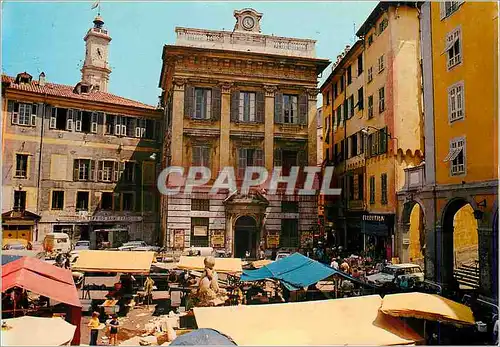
[{"x": 41, "y": 79}]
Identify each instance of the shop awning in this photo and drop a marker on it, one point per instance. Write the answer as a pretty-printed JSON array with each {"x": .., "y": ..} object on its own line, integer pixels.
[
  {"x": 351, "y": 321},
  {"x": 226, "y": 265},
  {"x": 453, "y": 154},
  {"x": 37, "y": 331},
  {"x": 427, "y": 306},
  {"x": 134, "y": 262},
  {"x": 41, "y": 278},
  {"x": 295, "y": 272}
]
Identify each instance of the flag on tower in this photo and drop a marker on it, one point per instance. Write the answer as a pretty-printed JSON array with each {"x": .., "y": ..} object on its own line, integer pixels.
[{"x": 95, "y": 4}]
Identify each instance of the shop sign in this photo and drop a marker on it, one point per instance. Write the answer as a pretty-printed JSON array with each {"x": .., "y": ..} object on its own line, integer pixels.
[
  {"x": 374, "y": 217},
  {"x": 179, "y": 238},
  {"x": 273, "y": 240},
  {"x": 217, "y": 240},
  {"x": 200, "y": 230}
]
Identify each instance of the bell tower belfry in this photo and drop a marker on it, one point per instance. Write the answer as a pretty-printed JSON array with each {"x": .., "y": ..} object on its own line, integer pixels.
[{"x": 95, "y": 68}]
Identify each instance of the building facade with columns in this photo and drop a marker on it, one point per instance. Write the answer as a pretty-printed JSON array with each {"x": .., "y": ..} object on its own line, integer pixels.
[
  {"x": 239, "y": 99},
  {"x": 77, "y": 159}
]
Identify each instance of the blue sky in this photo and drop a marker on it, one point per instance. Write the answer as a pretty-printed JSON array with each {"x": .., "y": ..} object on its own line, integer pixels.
[{"x": 48, "y": 36}]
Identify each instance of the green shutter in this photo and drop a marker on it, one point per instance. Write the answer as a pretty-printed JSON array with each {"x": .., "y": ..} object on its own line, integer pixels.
[{"x": 278, "y": 108}]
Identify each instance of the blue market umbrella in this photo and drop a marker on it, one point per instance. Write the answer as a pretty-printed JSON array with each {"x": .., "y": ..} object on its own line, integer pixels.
[{"x": 207, "y": 337}]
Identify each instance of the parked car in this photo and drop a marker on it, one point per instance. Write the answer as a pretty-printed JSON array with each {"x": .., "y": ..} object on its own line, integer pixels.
[
  {"x": 18, "y": 246},
  {"x": 139, "y": 246},
  {"x": 57, "y": 242},
  {"x": 389, "y": 273},
  {"x": 82, "y": 245}
]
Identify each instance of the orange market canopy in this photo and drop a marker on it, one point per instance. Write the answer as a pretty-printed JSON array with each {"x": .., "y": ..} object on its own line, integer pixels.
[
  {"x": 134, "y": 262},
  {"x": 225, "y": 265},
  {"x": 427, "y": 306},
  {"x": 37, "y": 331},
  {"x": 350, "y": 321}
]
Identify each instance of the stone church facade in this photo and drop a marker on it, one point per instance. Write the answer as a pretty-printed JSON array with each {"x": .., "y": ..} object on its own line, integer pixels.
[{"x": 239, "y": 99}]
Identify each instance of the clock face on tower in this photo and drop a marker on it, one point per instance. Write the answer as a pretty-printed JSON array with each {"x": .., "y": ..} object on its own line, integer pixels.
[{"x": 248, "y": 22}]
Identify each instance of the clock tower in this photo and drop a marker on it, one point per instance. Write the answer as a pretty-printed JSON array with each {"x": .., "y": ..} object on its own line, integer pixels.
[
  {"x": 247, "y": 20},
  {"x": 95, "y": 68}
]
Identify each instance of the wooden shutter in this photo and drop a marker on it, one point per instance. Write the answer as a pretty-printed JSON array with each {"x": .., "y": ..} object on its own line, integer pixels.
[
  {"x": 69, "y": 120},
  {"x": 117, "y": 125},
  {"x": 196, "y": 155},
  {"x": 216, "y": 103},
  {"x": 78, "y": 119},
  {"x": 100, "y": 170},
  {"x": 235, "y": 105},
  {"x": 138, "y": 128},
  {"x": 383, "y": 140},
  {"x": 260, "y": 107},
  {"x": 242, "y": 162},
  {"x": 52, "y": 114},
  {"x": 278, "y": 108},
  {"x": 35, "y": 111},
  {"x": 92, "y": 168},
  {"x": 278, "y": 160},
  {"x": 123, "y": 126},
  {"x": 116, "y": 171},
  {"x": 188, "y": 101},
  {"x": 75, "y": 170},
  {"x": 205, "y": 151},
  {"x": 93, "y": 125},
  {"x": 259, "y": 157},
  {"x": 15, "y": 113},
  {"x": 303, "y": 109}
]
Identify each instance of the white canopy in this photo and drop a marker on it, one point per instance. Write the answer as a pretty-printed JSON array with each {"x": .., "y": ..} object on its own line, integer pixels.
[{"x": 37, "y": 331}]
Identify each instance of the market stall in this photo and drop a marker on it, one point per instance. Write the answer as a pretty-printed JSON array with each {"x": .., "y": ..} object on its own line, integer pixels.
[
  {"x": 37, "y": 331},
  {"x": 36, "y": 276},
  {"x": 350, "y": 321},
  {"x": 132, "y": 262},
  {"x": 222, "y": 265}
]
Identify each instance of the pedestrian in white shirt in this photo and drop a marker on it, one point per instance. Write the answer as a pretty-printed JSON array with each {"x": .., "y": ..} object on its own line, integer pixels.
[{"x": 334, "y": 264}]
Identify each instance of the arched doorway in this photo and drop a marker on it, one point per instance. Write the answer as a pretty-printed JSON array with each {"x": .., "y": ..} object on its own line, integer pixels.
[
  {"x": 416, "y": 233},
  {"x": 459, "y": 244},
  {"x": 245, "y": 237}
]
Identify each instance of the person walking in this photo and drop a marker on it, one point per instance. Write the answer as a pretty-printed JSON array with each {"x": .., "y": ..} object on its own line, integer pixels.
[
  {"x": 113, "y": 330},
  {"x": 94, "y": 328}
]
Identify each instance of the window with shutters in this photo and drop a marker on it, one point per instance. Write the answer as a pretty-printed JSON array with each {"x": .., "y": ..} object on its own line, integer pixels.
[
  {"x": 370, "y": 40},
  {"x": 342, "y": 83},
  {"x": 130, "y": 124},
  {"x": 106, "y": 170},
  {"x": 82, "y": 201},
  {"x": 21, "y": 166},
  {"x": 350, "y": 187},
  {"x": 373, "y": 144},
  {"x": 120, "y": 125},
  {"x": 249, "y": 157},
  {"x": 23, "y": 113},
  {"x": 57, "y": 199},
  {"x": 372, "y": 189},
  {"x": 361, "y": 97},
  {"x": 453, "y": 48},
  {"x": 290, "y": 109},
  {"x": 354, "y": 145},
  {"x": 370, "y": 106},
  {"x": 200, "y": 205},
  {"x": 335, "y": 90},
  {"x": 370, "y": 74},
  {"x": 128, "y": 201},
  {"x": 140, "y": 127},
  {"x": 151, "y": 129},
  {"x": 85, "y": 121},
  {"x": 247, "y": 107},
  {"x": 361, "y": 187},
  {"x": 199, "y": 232},
  {"x": 339, "y": 116},
  {"x": 128, "y": 168},
  {"x": 289, "y": 236},
  {"x": 201, "y": 156},
  {"x": 456, "y": 156},
  {"x": 383, "y": 135},
  {"x": 381, "y": 99},
  {"x": 351, "y": 106},
  {"x": 349, "y": 74},
  {"x": 83, "y": 170},
  {"x": 382, "y": 25},
  {"x": 110, "y": 124},
  {"x": 381, "y": 63},
  {"x": 447, "y": 8},
  {"x": 361, "y": 142},
  {"x": 383, "y": 189},
  {"x": 360, "y": 64},
  {"x": 107, "y": 201},
  {"x": 19, "y": 200},
  {"x": 202, "y": 103},
  {"x": 456, "y": 102}
]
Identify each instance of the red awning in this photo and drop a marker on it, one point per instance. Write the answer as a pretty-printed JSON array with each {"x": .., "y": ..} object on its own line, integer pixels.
[{"x": 41, "y": 278}]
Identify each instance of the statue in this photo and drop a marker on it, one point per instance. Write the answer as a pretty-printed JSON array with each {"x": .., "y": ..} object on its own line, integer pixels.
[{"x": 209, "y": 293}]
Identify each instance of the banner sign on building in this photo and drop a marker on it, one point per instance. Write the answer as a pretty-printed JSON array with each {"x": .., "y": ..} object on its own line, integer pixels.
[
  {"x": 217, "y": 240},
  {"x": 179, "y": 239},
  {"x": 376, "y": 224},
  {"x": 273, "y": 240},
  {"x": 200, "y": 230}
]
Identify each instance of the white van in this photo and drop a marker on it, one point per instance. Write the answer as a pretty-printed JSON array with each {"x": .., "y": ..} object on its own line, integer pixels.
[{"x": 57, "y": 242}]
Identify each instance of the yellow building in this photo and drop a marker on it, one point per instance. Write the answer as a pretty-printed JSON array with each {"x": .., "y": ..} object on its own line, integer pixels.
[
  {"x": 380, "y": 136},
  {"x": 458, "y": 196}
]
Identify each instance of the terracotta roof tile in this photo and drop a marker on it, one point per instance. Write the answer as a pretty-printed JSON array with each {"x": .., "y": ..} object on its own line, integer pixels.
[{"x": 66, "y": 91}]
